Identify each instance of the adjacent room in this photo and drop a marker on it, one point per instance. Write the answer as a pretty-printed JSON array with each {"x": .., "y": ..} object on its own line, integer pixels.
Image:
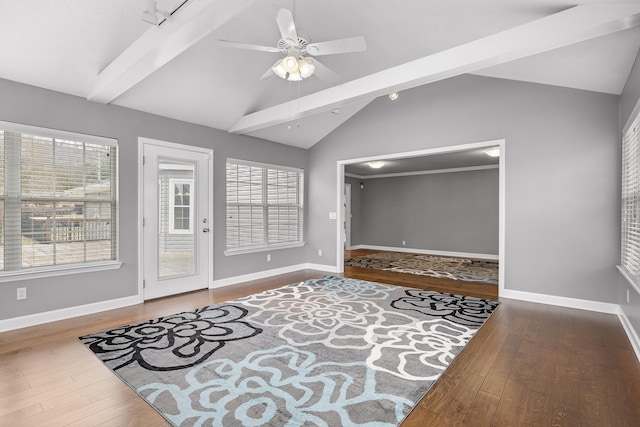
[
  {"x": 435, "y": 215},
  {"x": 336, "y": 213}
]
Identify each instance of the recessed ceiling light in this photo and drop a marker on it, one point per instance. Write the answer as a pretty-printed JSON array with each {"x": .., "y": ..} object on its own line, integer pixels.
[
  {"x": 393, "y": 96},
  {"x": 492, "y": 151},
  {"x": 376, "y": 165}
]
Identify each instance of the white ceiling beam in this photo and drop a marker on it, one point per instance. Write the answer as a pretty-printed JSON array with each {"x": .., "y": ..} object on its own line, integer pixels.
[
  {"x": 565, "y": 28},
  {"x": 159, "y": 45}
]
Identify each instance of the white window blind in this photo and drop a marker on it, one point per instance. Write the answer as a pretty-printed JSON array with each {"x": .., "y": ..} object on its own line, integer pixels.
[
  {"x": 57, "y": 198},
  {"x": 631, "y": 200},
  {"x": 264, "y": 205}
]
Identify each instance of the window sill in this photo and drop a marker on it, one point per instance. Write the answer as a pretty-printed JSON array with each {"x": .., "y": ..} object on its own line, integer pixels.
[
  {"x": 45, "y": 272},
  {"x": 241, "y": 251}
]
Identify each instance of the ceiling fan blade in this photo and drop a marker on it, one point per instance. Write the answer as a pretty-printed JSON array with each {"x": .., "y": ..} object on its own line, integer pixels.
[
  {"x": 269, "y": 73},
  {"x": 324, "y": 73},
  {"x": 287, "y": 27},
  {"x": 229, "y": 43},
  {"x": 352, "y": 44}
]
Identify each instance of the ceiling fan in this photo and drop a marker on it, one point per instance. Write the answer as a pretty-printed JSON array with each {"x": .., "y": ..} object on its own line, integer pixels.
[{"x": 298, "y": 64}]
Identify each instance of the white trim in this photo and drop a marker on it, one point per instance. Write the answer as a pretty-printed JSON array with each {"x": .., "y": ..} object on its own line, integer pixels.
[
  {"x": 623, "y": 272},
  {"x": 67, "y": 313},
  {"x": 172, "y": 205},
  {"x": 263, "y": 165},
  {"x": 502, "y": 228},
  {"x": 581, "y": 304},
  {"x": 427, "y": 152},
  {"x": 428, "y": 252},
  {"x": 46, "y": 272},
  {"x": 59, "y": 134},
  {"x": 426, "y": 172},
  {"x": 159, "y": 143},
  {"x": 219, "y": 283},
  {"x": 634, "y": 113},
  {"x": 630, "y": 331},
  {"x": 263, "y": 248},
  {"x": 321, "y": 267}
]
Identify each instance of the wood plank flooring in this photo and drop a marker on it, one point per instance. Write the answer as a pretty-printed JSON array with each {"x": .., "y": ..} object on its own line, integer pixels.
[{"x": 530, "y": 364}]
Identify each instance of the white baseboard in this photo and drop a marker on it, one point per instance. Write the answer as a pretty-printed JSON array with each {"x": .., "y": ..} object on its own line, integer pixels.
[
  {"x": 322, "y": 267},
  {"x": 631, "y": 332},
  {"x": 581, "y": 304},
  {"x": 269, "y": 273},
  {"x": 427, "y": 252},
  {"x": 66, "y": 313}
]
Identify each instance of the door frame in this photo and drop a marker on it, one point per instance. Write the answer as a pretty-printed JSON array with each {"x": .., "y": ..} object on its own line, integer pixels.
[
  {"x": 339, "y": 267},
  {"x": 142, "y": 141},
  {"x": 347, "y": 216}
]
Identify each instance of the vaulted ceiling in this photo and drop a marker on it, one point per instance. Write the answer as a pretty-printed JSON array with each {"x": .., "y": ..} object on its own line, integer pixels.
[{"x": 104, "y": 51}]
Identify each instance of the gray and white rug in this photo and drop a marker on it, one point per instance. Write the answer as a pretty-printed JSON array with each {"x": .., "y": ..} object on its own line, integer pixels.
[
  {"x": 445, "y": 267},
  {"x": 330, "y": 351}
]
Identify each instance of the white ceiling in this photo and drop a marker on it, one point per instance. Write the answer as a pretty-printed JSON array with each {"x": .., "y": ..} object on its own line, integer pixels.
[{"x": 63, "y": 45}]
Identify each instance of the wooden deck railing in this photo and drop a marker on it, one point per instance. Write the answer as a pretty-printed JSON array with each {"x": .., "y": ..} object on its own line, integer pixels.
[{"x": 70, "y": 228}]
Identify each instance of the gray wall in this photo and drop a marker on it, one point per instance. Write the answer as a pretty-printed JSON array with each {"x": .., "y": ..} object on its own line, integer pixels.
[
  {"x": 455, "y": 212},
  {"x": 628, "y": 101},
  {"x": 630, "y": 94},
  {"x": 562, "y": 173},
  {"x": 38, "y": 107}
]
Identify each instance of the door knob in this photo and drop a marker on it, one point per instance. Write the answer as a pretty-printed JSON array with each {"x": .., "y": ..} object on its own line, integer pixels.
[{"x": 205, "y": 230}]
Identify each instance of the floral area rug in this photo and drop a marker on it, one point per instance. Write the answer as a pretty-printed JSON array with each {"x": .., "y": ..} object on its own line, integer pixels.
[
  {"x": 466, "y": 269},
  {"x": 330, "y": 351}
]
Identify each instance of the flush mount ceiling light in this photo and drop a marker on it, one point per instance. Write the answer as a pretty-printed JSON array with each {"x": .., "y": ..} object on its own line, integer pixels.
[
  {"x": 492, "y": 151},
  {"x": 154, "y": 16},
  {"x": 297, "y": 64},
  {"x": 375, "y": 165},
  {"x": 393, "y": 96}
]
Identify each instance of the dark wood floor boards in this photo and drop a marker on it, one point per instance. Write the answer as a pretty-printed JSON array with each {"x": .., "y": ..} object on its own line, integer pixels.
[{"x": 530, "y": 364}]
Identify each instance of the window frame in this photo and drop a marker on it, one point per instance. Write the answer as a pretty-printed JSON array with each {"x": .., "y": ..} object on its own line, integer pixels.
[
  {"x": 630, "y": 202},
  {"x": 172, "y": 206},
  {"x": 265, "y": 208},
  {"x": 71, "y": 268}
]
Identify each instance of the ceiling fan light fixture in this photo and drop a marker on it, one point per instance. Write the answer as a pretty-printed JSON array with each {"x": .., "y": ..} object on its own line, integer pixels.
[
  {"x": 279, "y": 70},
  {"x": 294, "y": 77},
  {"x": 306, "y": 67},
  {"x": 290, "y": 64}
]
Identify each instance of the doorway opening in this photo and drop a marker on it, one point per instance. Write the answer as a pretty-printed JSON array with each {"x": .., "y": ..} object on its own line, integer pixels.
[{"x": 415, "y": 157}]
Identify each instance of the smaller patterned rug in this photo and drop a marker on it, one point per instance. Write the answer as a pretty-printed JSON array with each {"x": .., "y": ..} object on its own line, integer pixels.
[
  {"x": 326, "y": 352},
  {"x": 466, "y": 269}
]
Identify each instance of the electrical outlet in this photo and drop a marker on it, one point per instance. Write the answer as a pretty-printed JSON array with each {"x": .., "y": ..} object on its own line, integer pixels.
[
  {"x": 319, "y": 252},
  {"x": 21, "y": 293},
  {"x": 268, "y": 257},
  {"x": 627, "y": 296},
  {"x": 404, "y": 243}
]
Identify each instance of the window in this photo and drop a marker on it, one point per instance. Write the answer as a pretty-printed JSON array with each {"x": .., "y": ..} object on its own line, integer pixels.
[
  {"x": 631, "y": 200},
  {"x": 181, "y": 209},
  {"x": 264, "y": 206},
  {"x": 57, "y": 199}
]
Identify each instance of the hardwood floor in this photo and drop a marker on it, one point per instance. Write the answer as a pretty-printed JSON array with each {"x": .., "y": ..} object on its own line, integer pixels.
[{"x": 530, "y": 364}]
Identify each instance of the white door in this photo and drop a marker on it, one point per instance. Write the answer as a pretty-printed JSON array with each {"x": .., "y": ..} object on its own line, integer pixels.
[{"x": 177, "y": 237}]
